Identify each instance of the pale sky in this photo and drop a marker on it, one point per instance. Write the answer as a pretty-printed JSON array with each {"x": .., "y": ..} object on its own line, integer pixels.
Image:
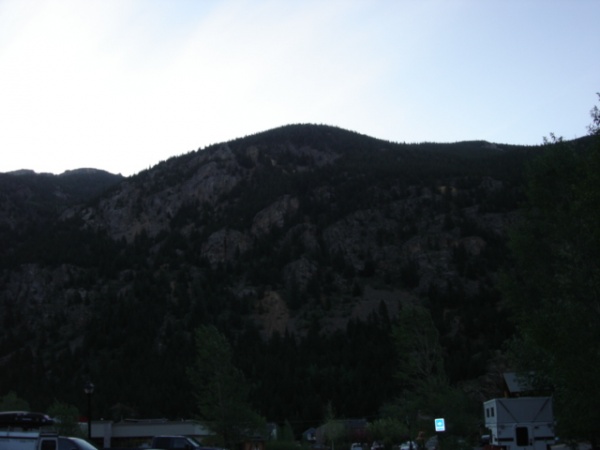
[{"x": 121, "y": 85}]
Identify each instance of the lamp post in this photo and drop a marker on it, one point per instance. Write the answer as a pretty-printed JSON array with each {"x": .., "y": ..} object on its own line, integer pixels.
[
  {"x": 410, "y": 438},
  {"x": 89, "y": 390}
]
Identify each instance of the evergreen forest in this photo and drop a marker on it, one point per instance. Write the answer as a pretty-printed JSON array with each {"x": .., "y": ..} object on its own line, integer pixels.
[{"x": 350, "y": 277}]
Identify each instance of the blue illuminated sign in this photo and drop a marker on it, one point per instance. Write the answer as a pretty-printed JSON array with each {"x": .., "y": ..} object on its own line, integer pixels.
[{"x": 440, "y": 425}]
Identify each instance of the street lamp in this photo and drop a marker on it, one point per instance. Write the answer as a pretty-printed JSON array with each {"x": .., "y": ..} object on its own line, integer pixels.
[{"x": 89, "y": 390}]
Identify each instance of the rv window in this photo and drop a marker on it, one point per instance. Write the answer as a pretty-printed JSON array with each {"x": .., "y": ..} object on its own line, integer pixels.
[
  {"x": 492, "y": 411},
  {"x": 522, "y": 435}
]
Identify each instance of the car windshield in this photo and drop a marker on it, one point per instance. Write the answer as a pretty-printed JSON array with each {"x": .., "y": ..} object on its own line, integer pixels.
[
  {"x": 72, "y": 443},
  {"x": 194, "y": 442}
]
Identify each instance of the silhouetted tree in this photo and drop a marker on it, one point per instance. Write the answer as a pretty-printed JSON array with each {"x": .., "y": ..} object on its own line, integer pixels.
[
  {"x": 220, "y": 389},
  {"x": 555, "y": 285}
]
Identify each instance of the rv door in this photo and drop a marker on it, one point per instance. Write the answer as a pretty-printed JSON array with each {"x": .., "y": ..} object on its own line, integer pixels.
[{"x": 522, "y": 437}]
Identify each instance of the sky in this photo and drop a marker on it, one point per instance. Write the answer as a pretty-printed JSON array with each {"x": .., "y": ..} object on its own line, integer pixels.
[{"x": 120, "y": 85}]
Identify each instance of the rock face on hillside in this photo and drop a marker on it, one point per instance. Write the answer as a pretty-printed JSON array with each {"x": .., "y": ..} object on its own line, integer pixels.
[
  {"x": 418, "y": 225},
  {"x": 277, "y": 231},
  {"x": 317, "y": 202}
]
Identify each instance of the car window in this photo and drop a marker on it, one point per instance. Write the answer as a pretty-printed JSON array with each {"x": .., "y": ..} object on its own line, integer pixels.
[
  {"x": 66, "y": 444},
  {"x": 193, "y": 441},
  {"x": 180, "y": 443},
  {"x": 71, "y": 443},
  {"x": 48, "y": 444}
]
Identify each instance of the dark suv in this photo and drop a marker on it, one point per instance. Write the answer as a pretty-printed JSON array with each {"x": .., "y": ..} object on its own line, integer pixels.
[{"x": 175, "y": 443}]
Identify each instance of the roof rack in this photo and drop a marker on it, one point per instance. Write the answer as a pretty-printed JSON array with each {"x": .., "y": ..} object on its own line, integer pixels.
[{"x": 24, "y": 419}]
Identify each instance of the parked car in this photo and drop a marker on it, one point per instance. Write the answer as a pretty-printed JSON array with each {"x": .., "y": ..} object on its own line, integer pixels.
[
  {"x": 175, "y": 443},
  {"x": 409, "y": 445}
]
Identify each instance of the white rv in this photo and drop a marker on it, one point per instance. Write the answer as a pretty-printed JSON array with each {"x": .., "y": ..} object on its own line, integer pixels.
[
  {"x": 21, "y": 430},
  {"x": 35, "y": 440},
  {"x": 520, "y": 423}
]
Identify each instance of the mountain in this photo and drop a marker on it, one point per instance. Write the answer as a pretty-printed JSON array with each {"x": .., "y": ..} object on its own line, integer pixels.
[
  {"x": 300, "y": 243},
  {"x": 27, "y": 197}
]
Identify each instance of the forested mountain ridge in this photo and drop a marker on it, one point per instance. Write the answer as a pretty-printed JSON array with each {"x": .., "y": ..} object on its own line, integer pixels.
[
  {"x": 27, "y": 197},
  {"x": 301, "y": 244}
]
